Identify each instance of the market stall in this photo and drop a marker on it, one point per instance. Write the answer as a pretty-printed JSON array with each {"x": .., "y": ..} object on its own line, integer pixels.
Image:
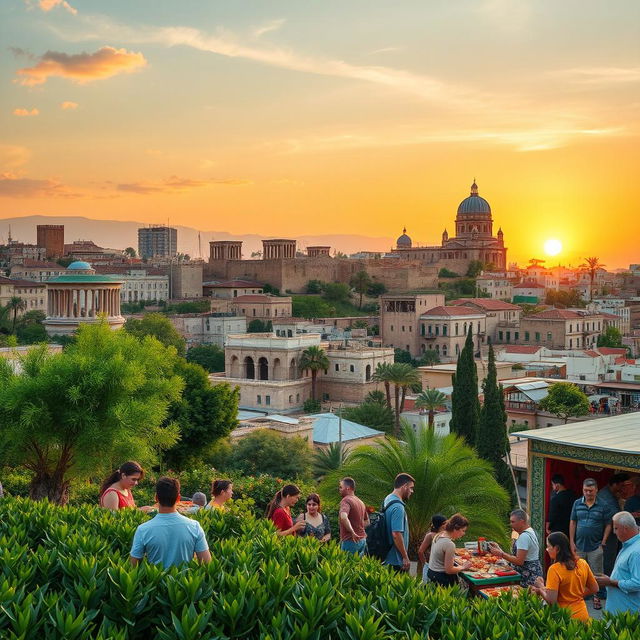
[
  {"x": 589, "y": 449},
  {"x": 487, "y": 571}
]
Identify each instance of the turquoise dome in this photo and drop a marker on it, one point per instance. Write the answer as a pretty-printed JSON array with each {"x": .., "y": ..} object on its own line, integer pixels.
[
  {"x": 79, "y": 265},
  {"x": 474, "y": 203}
]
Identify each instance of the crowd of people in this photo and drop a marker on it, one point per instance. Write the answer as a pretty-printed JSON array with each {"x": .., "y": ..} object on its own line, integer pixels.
[{"x": 579, "y": 534}]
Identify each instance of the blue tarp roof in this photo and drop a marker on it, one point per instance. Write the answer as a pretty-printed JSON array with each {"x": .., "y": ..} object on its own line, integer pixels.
[{"x": 326, "y": 429}]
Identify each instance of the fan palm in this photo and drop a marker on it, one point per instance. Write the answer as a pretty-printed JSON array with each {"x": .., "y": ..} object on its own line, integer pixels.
[
  {"x": 376, "y": 396},
  {"x": 15, "y": 305},
  {"x": 330, "y": 459},
  {"x": 449, "y": 476},
  {"x": 314, "y": 359},
  {"x": 430, "y": 399},
  {"x": 382, "y": 374},
  {"x": 402, "y": 376},
  {"x": 591, "y": 266}
]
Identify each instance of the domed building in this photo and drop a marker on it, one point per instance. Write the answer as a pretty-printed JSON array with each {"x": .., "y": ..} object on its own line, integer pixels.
[
  {"x": 404, "y": 241},
  {"x": 473, "y": 240},
  {"x": 80, "y": 297}
]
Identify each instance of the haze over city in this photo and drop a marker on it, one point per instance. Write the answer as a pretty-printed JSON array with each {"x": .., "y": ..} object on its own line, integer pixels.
[{"x": 294, "y": 118}]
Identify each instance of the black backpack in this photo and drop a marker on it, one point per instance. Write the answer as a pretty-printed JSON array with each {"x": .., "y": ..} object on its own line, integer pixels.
[{"x": 378, "y": 544}]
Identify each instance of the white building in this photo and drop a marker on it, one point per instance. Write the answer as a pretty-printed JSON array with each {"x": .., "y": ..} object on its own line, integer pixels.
[
  {"x": 139, "y": 284},
  {"x": 37, "y": 270},
  {"x": 616, "y": 307},
  {"x": 211, "y": 328},
  {"x": 495, "y": 287},
  {"x": 420, "y": 420}
]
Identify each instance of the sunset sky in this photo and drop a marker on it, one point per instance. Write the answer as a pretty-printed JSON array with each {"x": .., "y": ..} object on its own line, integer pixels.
[{"x": 358, "y": 116}]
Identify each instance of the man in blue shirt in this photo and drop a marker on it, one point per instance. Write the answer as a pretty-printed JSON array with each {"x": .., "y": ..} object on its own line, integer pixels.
[
  {"x": 623, "y": 586},
  {"x": 397, "y": 522},
  {"x": 169, "y": 538},
  {"x": 589, "y": 530},
  {"x": 612, "y": 495}
]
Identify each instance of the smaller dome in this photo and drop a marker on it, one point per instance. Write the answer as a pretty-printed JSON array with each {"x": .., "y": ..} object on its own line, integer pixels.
[
  {"x": 404, "y": 240},
  {"x": 79, "y": 265}
]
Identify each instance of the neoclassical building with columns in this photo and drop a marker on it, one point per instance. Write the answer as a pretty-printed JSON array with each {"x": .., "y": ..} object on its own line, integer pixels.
[{"x": 82, "y": 297}]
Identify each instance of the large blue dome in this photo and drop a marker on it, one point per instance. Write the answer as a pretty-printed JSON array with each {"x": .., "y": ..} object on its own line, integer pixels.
[
  {"x": 474, "y": 203},
  {"x": 79, "y": 265}
]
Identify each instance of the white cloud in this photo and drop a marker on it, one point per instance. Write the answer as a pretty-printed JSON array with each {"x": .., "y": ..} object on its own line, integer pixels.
[{"x": 267, "y": 27}]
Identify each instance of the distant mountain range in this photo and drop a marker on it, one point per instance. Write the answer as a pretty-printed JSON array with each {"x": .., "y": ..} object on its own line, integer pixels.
[{"x": 116, "y": 234}]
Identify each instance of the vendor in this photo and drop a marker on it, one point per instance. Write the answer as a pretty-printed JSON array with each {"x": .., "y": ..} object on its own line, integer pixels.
[{"x": 525, "y": 552}]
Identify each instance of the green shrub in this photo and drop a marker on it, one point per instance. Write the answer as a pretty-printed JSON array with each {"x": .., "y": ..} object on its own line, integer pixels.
[
  {"x": 311, "y": 406},
  {"x": 66, "y": 576}
]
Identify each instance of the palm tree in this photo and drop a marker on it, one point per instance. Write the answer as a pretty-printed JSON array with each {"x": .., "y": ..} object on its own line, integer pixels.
[
  {"x": 314, "y": 359},
  {"x": 330, "y": 459},
  {"x": 430, "y": 399},
  {"x": 449, "y": 475},
  {"x": 376, "y": 397},
  {"x": 360, "y": 281},
  {"x": 402, "y": 376},
  {"x": 591, "y": 266},
  {"x": 16, "y": 304},
  {"x": 382, "y": 374}
]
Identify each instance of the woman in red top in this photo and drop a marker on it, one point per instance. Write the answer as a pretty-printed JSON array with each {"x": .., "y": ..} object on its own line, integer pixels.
[
  {"x": 279, "y": 511},
  {"x": 116, "y": 489}
]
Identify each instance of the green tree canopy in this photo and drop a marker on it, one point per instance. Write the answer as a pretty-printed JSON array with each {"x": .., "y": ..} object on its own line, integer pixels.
[
  {"x": 259, "y": 326},
  {"x": 465, "y": 406},
  {"x": 336, "y": 292},
  {"x": 371, "y": 414},
  {"x": 314, "y": 286},
  {"x": 311, "y": 307},
  {"x": 204, "y": 415},
  {"x": 376, "y": 289},
  {"x": 360, "y": 282},
  {"x": 403, "y": 377},
  {"x": 130, "y": 251},
  {"x": 564, "y": 299},
  {"x": 428, "y": 358},
  {"x": 566, "y": 401},
  {"x": 158, "y": 326},
  {"x": 266, "y": 452},
  {"x": 611, "y": 337},
  {"x": 449, "y": 477},
  {"x": 475, "y": 268},
  {"x": 208, "y": 356},
  {"x": 103, "y": 400}
]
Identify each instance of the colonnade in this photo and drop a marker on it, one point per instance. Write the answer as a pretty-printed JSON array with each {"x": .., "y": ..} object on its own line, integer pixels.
[
  {"x": 83, "y": 301},
  {"x": 274, "y": 249}
]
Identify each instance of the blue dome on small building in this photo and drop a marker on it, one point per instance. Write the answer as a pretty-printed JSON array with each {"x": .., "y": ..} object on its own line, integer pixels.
[
  {"x": 79, "y": 265},
  {"x": 474, "y": 203}
]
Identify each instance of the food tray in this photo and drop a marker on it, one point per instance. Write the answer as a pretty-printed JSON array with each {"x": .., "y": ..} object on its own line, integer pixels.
[{"x": 494, "y": 592}]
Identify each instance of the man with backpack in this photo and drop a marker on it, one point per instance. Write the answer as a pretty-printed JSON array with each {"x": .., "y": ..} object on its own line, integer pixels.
[
  {"x": 397, "y": 524},
  {"x": 353, "y": 518}
]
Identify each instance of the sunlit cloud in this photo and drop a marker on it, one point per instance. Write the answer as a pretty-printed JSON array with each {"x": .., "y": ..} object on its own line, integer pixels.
[
  {"x": 25, "y": 113},
  {"x": 47, "y": 5},
  {"x": 13, "y": 156},
  {"x": 599, "y": 75},
  {"x": 13, "y": 186},
  {"x": 267, "y": 27},
  {"x": 175, "y": 184},
  {"x": 67, "y": 105},
  {"x": 82, "y": 67}
]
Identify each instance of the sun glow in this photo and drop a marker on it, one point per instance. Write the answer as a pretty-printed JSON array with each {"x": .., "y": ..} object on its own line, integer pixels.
[{"x": 552, "y": 247}]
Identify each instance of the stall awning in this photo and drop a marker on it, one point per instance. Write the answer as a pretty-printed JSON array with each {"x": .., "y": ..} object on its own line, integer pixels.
[{"x": 616, "y": 433}]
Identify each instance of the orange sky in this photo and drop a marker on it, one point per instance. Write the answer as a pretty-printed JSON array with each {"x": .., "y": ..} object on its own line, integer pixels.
[{"x": 358, "y": 117}]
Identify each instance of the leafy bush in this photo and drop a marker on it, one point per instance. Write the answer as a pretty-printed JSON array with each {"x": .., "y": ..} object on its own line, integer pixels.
[
  {"x": 259, "y": 326},
  {"x": 447, "y": 273},
  {"x": 208, "y": 356},
  {"x": 66, "y": 577},
  {"x": 264, "y": 451},
  {"x": 311, "y": 406}
]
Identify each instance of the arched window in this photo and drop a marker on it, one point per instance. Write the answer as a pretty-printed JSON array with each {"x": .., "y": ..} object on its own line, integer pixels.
[
  {"x": 249, "y": 368},
  {"x": 464, "y": 328},
  {"x": 444, "y": 350},
  {"x": 276, "y": 372},
  {"x": 291, "y": 399},
  {"x": 234, "y": 367},
  {"x": 457, "y": 349},
  {"x": 457, "y": 328},
  {"x": 367, "y": 372},
  {"x": 263, "y": 369},
  {"x": 293, "y": 373}
]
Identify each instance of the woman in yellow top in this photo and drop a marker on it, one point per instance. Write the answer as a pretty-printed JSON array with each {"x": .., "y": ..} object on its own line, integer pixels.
[
  {"x": 569, "y": 579},
  {"x": 222, "y": 491}
]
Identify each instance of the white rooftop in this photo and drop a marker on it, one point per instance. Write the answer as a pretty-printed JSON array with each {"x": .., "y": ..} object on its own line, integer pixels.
[{"x": 615, "y": 433}]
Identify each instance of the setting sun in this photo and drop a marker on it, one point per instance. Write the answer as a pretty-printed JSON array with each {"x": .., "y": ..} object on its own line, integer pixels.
[{"x": 552, "y": 247}]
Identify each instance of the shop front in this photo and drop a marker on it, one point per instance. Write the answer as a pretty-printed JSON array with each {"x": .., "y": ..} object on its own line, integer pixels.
[{"x": 590, "y": 449}]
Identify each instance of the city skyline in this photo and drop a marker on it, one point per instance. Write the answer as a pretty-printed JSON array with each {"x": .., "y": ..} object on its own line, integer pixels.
[{"x": 292, "y": 120}]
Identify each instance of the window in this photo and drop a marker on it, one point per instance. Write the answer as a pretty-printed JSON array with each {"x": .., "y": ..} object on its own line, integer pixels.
[
  {"x": 422, "y": 331},
  {"x": 267, "y": 400},
  {"x": 500, "y": 335},
  {"x": 437, "y": 330},
  {"x": 337, "y": 367},
  {"x": 444, "y": 329},
  {"x": 290, "y": 399},
  {"x": 403, "y": 327},
  {"x": 517, "y": 336},
  {"x": 457, "y": 327},
  {"x": 537, "y": 336},
  {"x": 297, "y": 397},
  {"x": 526, "y": 336},
  {"x": 259, "y": 399},
  {"x": 570, "y": 328},
  {"x": 549, "y": 337},
  {"x": 508, "y": 336},
  {"x": 410, "y": 329},
  {"x": 326, "y": 371},
  {"x": 526, "y": 423},
  {"x": 570, "y": 343},
  {"x": 325, "y": 397},
  {"x": 391, "y": 327},
  {"x": 351, "y": 368}
]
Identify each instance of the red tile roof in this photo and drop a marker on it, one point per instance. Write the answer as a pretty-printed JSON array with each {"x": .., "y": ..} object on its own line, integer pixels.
[
  {"x": 41, "y": 264},
  {"x": 592, "y": 354},
  {"x": 556, "y": 314},
  {"x": 21, "y": 283},
  {"x": 451, "y": 311},
  {"x": 612, "y": 351},
  {"x": 623, "y": 360},
  {"x": 487, "y": 304},
  {"x": 517, "y": 348}
]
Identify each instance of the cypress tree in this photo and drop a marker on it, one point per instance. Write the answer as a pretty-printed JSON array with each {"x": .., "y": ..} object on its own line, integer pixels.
[
  {"x": 492, "y": 441},
  {"x": 465, "y": 406}
]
